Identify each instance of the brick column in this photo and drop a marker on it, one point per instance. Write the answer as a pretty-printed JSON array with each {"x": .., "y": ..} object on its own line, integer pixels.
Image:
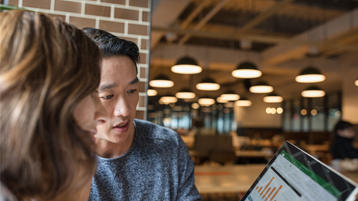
[{"x": 127, "y": 19}]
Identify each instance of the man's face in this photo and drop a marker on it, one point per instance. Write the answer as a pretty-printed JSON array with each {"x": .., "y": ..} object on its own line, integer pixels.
[{"x": 118, "y": 91}]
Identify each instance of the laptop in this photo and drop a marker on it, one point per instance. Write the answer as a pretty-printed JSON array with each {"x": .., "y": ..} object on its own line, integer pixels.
[{"x": 294, "y": 175}]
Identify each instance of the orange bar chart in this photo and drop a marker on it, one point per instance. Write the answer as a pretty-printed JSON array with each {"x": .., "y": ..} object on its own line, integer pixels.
[
  {"x": 274, "y": 195},
  {"x": 270, "y": 193},
  {"x": 267, "y": 186}
]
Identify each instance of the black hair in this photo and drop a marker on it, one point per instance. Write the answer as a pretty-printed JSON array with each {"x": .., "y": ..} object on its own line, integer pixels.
[
  {"x": 341, "y": 125},
  {"x": 110, "y": 45}
]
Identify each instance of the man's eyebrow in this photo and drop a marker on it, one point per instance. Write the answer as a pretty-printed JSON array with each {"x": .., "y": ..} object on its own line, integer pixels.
[
  {"x": 107, "y": 86},
  {"x": 135, "y": 80}
]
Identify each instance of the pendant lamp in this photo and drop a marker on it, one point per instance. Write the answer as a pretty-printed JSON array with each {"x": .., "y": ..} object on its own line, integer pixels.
[
  {"x": 313, "y": 92},
  {"x": 152, "y": 92},
  {"x": 230, "y": 96},
  {"x": 185, "y": 94},
  {"x": 243, "y": 102},
  {"x": 246, "y": 70},
  {"x": 195, "y": 106},
  {"x": 273, "y": 98},
  {"x": 206, "y": 101},
  {"x": 221, "y": 100},
  {"x": 161, "y": 81},
  {"x": 186, "y": 65},
  {"x": 261, "y": 87},
  {"x": 208, "y": 84},
  {"x": 310, "y": 75},
  {"x": 167, "y": 99}
]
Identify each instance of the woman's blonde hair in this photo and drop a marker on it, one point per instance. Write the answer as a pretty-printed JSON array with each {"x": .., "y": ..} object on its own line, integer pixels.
[{"x": 46, "y": 68}]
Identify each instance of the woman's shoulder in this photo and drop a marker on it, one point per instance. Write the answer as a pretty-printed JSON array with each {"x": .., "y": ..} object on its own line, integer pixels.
[{"x": 5, "y": 194}]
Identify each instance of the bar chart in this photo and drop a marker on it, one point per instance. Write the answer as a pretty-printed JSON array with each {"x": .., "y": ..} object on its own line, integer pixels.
[{"x": 268, "y": 193}]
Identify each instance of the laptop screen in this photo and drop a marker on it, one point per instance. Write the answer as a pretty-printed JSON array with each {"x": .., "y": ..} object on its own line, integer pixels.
[{"x": 293, "y": 175}]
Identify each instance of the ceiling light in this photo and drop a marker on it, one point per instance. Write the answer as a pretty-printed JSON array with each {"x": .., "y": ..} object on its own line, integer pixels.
[
  {"x": 195, "y": 106},
  {"x": 313, "y": 92},
  {"x": 273, "y": 98},
  {"x": 161, "y": 81},
  {"x": 206, "y": 101},
  {"x": 168, "y": 99},
  {"x": 261, "y": 87},
  {"x": 220, "y": 100},
  {"x": 243, "y": 102},
  {"x": 356, "y": 82},
  {"x": 310, "y": 75},
  {"x": 279, "y": 110},
  {"x": 246, "y": 70},
  {"x": 185, "y": 94},
  {"x": 186, "y": 65},
  {"x": 230, "y": 96},
  {"x": 152, "y": 92},
  {"x": 208, "y": 84}
]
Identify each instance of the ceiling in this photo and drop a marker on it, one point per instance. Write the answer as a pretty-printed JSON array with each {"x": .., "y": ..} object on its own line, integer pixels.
[{"x": 285, "y": 35}]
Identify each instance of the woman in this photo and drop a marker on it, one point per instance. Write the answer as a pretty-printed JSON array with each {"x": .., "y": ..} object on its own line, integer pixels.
[{"x": 49, "y": 73}]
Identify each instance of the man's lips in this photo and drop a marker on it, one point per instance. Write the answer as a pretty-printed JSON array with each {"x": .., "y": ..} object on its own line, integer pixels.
[{"x": 121, "y": 127}]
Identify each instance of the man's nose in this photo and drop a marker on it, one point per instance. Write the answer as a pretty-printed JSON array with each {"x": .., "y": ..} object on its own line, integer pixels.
[{"x": 122, "y": 108}]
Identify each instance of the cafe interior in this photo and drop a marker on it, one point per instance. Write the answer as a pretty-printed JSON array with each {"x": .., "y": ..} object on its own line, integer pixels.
[{"x": 237, "y": 78}]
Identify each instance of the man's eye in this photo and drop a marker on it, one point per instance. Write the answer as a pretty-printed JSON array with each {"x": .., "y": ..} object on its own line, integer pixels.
[
  {"x": 107, "y": 97},
  {"x": 132, "y": 91}
]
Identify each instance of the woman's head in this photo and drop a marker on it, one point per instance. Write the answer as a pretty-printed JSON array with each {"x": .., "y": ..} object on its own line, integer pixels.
[
  {"x": 344, "y": 129},
  {"x": 47, "y": 67}
]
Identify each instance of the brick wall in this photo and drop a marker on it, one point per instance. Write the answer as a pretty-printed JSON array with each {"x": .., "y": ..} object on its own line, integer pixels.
[{"x": 127, "y": 19}]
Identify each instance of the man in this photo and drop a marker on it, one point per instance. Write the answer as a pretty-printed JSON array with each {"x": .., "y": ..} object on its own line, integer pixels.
[{"x": 137, "y": 160}]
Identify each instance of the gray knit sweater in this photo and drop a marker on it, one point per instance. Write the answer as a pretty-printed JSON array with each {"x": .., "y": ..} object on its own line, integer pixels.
[{"x": 156, "y": 167}]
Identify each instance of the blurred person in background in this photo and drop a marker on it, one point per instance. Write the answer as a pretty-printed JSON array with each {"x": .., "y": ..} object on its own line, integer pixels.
[
  {"x": 345, "y": 156},
  {"x": 49, "y": 73}
]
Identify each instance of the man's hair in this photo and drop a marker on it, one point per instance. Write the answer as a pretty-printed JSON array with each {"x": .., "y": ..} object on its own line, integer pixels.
[
  {"x": 46, "y": 68},
  {"x": 110, "y": 45}
]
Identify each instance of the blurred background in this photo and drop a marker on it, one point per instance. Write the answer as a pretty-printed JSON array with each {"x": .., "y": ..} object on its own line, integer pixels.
[{"x": 234, "y": 78}]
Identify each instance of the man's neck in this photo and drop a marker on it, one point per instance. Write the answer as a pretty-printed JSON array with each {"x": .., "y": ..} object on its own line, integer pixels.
[{"x": 107, "y": 149}]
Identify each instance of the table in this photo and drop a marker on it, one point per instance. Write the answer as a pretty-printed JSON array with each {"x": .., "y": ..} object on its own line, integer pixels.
[
  {"x": 234, "y": 179},
  {"x": 254, "y": 154},
  {"x": 226, "y": 179}
]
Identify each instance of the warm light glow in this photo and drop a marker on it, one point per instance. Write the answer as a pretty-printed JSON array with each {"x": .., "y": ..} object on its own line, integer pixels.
[
  {"x": 303, "y": 112},
  {"x": 152, "y": 92},
  {"x": 243, "y": 103},
  {"x": 208, "y": 86},
  {"x": 186, "y": 69},
  {"x": 314, "y": 112},
  {"x": 185, "y": 95},
  {"x": 261, "y": 89},
  {"x": 168, "y": 99},
  {"x": 310, "y": 78},
  {"x": 230, "y": 97},
  {"x": 206, "y": 101},
  {"x": 246, "y": 73},
  {"x": 273, "y": 99},
  {"x": 338, "y": 113},
  {"x": 279, "y": 110},
  {"x": 161, "y": 83},
  {"x": 220, "y": 100},
  {"x": 268, "y": 110},
  {"x": 313, "y": 93},
  {"x": 195, "y": 106},
  {"x": 273, "y": 110},
  {"x": 356, "y": 83}
]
